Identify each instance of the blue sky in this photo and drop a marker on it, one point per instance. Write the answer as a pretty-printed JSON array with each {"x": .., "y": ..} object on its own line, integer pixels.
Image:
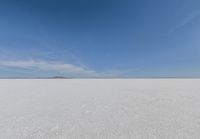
[{"x": 100, "y": 38}]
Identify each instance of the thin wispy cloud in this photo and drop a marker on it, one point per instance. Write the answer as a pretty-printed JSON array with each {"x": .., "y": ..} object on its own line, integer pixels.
[
  {"x": 186, "y": 21},
  {"x": 48, "y": 66}
]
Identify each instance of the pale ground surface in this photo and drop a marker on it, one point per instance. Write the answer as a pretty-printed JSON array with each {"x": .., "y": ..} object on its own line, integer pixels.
[{"x": 100, "y": 109}]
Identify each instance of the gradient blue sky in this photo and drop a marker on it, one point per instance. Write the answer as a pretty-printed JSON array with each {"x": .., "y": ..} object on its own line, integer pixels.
[{"x": 89, "y": 38}]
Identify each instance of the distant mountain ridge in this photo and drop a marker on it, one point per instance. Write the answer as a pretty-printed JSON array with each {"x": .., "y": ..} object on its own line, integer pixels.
[{"x": 53, "y": 77}]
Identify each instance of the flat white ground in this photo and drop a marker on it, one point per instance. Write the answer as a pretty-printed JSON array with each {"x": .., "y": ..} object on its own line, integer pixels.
[{"x": 100, "y": 109}]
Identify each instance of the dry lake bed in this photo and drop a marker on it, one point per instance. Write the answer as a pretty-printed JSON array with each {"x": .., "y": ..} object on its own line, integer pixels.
[{"x": 99, "y": 109}]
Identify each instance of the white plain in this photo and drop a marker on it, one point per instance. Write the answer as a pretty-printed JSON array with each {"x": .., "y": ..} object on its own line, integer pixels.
[{"x": 100, "y": 109}]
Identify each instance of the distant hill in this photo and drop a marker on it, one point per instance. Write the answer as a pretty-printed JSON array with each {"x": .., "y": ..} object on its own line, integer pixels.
[
  {"x": 59, "y": 77},
  {"x": 54, "y": 77}
]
